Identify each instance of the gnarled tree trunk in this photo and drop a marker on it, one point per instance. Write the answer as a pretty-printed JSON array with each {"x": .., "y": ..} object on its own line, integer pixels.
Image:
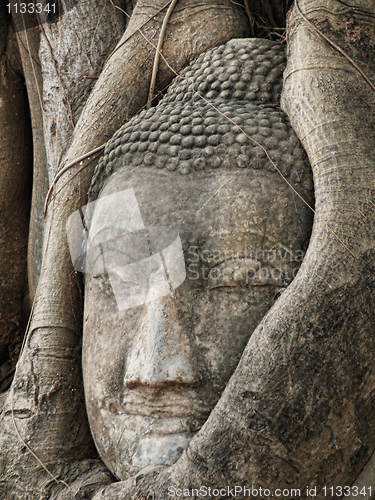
[{"x": 15, "y": 191}]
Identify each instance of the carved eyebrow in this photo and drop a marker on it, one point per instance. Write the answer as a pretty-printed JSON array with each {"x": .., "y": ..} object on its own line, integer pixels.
[
  {"x": 121, "y": 247},
  {"x": 116, "y": 240},
  {"x": 112, "y": 230}
]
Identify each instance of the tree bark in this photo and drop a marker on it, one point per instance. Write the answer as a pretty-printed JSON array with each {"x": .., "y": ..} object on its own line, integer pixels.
[
  {"x": 28, "y": 45},
  {"x": 15, "y": 189}
]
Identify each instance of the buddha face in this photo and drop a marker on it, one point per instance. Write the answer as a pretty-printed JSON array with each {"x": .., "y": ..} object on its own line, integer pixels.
[{"x": 154, "y": 371}]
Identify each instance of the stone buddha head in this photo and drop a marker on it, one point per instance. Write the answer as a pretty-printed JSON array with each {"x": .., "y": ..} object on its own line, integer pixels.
[{"x": 155, "y": 368}]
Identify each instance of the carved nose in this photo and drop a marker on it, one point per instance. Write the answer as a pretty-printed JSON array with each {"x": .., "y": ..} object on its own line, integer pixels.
[{"x": 161, "y": 354}]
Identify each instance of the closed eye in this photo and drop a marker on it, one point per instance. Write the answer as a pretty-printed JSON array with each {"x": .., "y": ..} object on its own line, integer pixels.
[{"x": 232, "y": 274}]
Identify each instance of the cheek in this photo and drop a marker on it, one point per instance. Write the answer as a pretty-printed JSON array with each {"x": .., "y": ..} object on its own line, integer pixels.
[
  {"x": 223, "y": 323},
  {"x": 107, "y": 337}
]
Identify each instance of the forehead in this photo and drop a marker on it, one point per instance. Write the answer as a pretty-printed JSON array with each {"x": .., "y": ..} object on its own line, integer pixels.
[{"x": 216, "y": 207}]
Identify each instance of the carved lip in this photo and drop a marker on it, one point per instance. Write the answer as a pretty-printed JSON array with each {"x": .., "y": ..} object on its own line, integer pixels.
[
  {"x": 165, "y": 412},
  {"x": 180, "y": 403},
  {"x": 164, "y": 407},
  {"x": 138, "y": 420}
]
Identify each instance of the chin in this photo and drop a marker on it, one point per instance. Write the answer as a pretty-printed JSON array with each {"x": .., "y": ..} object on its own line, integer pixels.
[
  {"x": 160, "y": 449},
  {"x": 159, "y": 441},
  {"x": 130, "y": 442}
]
